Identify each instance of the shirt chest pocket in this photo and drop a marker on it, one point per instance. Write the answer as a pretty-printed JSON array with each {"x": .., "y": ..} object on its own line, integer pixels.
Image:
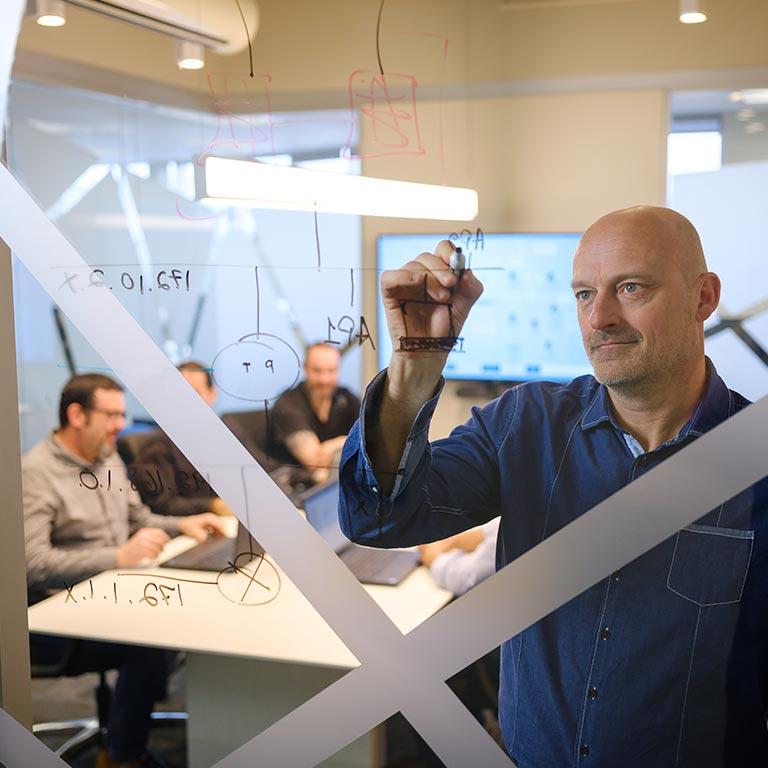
[{"x": 709, "y": 564}]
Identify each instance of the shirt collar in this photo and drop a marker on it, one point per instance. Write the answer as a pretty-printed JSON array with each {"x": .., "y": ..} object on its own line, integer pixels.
[{"x": 714, "y": 407}]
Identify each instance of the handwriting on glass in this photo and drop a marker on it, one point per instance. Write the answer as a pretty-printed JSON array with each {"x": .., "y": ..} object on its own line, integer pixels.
[
  {"x": 155, "y": 593},
  {"x": 148, "y": 481},
  {"x": 163, "y": 280},
  {"x": 249, "y": 579}
]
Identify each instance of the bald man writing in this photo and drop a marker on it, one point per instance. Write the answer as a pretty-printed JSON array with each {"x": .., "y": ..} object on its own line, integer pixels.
[{"x": 663, "y": 663}]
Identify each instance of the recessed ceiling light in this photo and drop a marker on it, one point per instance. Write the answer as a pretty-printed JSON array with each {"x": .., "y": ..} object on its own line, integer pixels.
[{"x": 756, "y": 127}]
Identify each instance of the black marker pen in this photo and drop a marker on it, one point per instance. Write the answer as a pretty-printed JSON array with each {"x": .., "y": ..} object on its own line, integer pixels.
[{"x": 458, "y": 262}]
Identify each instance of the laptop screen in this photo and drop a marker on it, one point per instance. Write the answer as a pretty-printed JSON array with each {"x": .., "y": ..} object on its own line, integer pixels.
[{"x": 322, "y": 508}]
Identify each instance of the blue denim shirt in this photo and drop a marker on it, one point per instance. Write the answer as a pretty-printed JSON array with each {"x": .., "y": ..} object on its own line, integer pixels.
[{"x": 661, "y": 664}]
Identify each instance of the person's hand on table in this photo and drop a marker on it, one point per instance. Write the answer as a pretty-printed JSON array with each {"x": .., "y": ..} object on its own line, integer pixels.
[
  {"x": 467, "y": 541},
  {"x": 430, "y": 552},
  {"x": 200, "y": 526},
  {"x": 144, "y": 546}
]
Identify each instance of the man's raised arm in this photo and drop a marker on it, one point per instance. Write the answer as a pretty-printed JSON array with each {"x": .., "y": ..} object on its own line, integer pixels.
[{"x": 426, "y": 304}]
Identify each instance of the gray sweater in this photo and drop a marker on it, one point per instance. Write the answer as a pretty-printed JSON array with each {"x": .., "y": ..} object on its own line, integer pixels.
[{"x": 77, "y": 515}]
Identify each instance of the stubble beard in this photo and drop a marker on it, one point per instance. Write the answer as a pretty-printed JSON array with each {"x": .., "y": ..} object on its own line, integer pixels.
[
  {"x": 645, "y": 369},
  {"x": 632, "y": 376}
]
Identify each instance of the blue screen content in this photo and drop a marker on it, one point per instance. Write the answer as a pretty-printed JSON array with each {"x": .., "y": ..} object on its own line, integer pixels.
[{"x": 524, "y": 326}]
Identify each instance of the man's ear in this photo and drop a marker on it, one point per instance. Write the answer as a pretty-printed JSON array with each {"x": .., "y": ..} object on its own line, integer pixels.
[
  {"x": 77, "y": 416},
  {"x": 709, "y": 296}
]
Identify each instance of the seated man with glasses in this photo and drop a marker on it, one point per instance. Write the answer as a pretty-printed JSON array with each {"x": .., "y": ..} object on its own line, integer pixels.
[{"x": 74, "y": 531}]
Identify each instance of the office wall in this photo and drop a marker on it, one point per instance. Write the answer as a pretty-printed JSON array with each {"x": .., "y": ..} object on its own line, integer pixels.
[
  {"x": 539, "y": 163},
  {"x": 740, "y": 146},
  {"x": 729, "y": 209}
]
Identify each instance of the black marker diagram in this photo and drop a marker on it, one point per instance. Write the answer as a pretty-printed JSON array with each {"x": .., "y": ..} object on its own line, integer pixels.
[
  {"x": 249, "y": 580},
  {"x": 258, "y": 367}
]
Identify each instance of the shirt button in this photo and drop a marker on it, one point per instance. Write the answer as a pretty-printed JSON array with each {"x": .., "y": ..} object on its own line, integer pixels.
[
  {"x": 593, "y": 693},
  {"x": 584, "y": 751},
  {"x": 606, "y": 633},
  {"x": 616, "y": 575}
]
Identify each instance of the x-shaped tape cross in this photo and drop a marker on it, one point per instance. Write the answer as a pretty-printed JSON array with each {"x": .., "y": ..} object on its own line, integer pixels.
[{"x": 396, "y": 672}]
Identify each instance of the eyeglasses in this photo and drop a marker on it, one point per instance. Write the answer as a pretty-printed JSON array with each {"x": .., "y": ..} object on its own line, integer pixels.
[{"x": 110, "y": 415}]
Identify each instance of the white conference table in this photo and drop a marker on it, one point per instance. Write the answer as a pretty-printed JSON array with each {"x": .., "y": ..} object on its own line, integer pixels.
[{"x": 247, "y": 665}]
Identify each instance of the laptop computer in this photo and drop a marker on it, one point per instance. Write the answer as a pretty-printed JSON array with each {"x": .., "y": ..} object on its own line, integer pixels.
[
  {"x": 216, "y": 553},
  {"x": 370, "y": 566}
]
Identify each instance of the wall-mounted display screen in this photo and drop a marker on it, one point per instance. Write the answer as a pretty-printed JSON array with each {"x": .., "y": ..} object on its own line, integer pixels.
[{"x": 524, "y": 325}]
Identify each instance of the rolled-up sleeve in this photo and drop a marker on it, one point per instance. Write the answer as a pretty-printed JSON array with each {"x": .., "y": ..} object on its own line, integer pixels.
[{"x": 441, "y": 488}]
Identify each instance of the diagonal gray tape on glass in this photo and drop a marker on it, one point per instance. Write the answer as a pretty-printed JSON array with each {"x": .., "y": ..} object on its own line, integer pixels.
[
  {"x": 190, "y": 423},
  {"x": 397, "y": 672},
  {"x": 358, "y": 701},
  {"x": 116, "y": 336},
  {"x": 606, "y": 538},
  {"x": 715, "y": 468},
  {"x": 20, "y": 749}
]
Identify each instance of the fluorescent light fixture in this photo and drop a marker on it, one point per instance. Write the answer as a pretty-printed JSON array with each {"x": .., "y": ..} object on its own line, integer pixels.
[
  {"x": 754, "y": 96},
  {"x": 190, "y": 55},
  {"x": 49, "y": 13},
  {"x": 258, "y": 185},
  {"x": 692, "y": 12}
]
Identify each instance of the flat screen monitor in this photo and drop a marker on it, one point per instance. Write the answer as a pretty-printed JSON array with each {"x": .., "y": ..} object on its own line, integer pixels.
[{"x": 524, "y": 326}]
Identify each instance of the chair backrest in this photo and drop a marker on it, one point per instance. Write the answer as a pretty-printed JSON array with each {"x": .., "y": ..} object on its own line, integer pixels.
[
  {"x": 253, "y": 424},
  {"x": 129, "y": 446}
]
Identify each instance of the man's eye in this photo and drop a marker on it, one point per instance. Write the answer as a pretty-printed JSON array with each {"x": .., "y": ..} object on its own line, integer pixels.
[
  {"x": 631, "y": 287},
  {"x": 582, "y": 295}
]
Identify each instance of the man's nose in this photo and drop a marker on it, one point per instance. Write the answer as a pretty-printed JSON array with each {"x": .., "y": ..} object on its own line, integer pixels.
[{"x": 604, "y": 311}]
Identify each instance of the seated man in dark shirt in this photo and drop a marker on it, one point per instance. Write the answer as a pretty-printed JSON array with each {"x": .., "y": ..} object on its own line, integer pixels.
[
  {"x": 167, "y": 481},
  {"x": 310, "y": 422}
]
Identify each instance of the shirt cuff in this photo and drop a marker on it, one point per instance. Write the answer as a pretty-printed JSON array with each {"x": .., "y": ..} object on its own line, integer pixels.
[{"x": 414, "y": 445}]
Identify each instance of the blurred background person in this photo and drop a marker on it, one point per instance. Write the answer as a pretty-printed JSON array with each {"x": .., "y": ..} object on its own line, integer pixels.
[
  {"x": 183, "y": 490},
  {"x": 311, "y": 421}
]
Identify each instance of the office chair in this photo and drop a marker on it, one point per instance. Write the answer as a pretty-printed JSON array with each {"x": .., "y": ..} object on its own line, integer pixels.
[
  {"x": 129, "y": 446},
  {"x": 89, "y": 731}
]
